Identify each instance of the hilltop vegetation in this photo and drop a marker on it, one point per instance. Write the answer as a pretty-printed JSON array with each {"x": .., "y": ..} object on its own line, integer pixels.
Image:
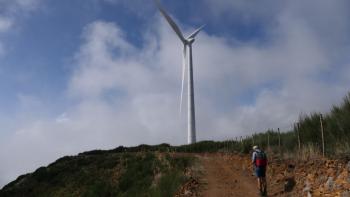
[
  {"x": 116, "y": 172},
  {"x": 336, "y": 129}
]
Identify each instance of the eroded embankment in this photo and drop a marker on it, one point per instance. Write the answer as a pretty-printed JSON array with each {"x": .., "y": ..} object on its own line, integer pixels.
[
  {"x": 310, "y": 177},
  {"x": 231, "y": 175}
]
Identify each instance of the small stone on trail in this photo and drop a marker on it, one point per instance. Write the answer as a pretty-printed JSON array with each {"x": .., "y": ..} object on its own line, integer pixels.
[
  {"x": 330, "y": 184},
  {"x": 348, "y": 166},
  {"x": 307, "y": 187},
  {"x": 345, "y": 194}
]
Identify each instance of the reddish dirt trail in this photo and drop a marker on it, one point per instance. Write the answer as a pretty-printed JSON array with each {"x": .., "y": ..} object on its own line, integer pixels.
[
  {"x": 225, "y": 177},
  {"x": 221, "y": 175}
]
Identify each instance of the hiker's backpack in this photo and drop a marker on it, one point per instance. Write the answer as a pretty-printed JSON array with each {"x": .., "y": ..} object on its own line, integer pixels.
[{"x": 260, "y": 159}]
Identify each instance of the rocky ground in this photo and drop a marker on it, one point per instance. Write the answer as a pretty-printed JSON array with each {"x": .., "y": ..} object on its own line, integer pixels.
[
  {"x": 312, "y": 177},
  {"x": 231, "y": 175}
]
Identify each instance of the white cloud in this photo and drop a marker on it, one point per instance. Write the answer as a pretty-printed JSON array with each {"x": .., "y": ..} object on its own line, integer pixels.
[
  {"x": 125, "y": 95},
  {"x": 121, "y": 101},
  {"x": 5, "y": 24},
  {"x": 62, "y": 118}
]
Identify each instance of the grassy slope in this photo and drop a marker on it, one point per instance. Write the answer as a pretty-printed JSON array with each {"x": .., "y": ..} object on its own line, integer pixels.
[{"x": 104, "y": 173}]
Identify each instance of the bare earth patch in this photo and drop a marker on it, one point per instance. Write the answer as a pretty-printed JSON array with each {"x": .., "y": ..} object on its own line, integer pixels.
[{"x": 225, "y": 176}]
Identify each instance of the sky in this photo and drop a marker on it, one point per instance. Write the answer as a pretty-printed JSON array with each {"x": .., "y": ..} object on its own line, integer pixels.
[{"x": 78, "y": 75}]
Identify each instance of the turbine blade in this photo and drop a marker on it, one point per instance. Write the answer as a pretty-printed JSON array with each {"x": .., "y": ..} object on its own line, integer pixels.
[
  {"x": 194, "y": 34},
  {"x": 170, "y": 21},
  {"x": 183, "y": 75}
]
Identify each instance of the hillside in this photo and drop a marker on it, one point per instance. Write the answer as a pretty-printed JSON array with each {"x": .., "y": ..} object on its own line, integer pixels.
[
  {"x": 158, "y": 171},
  {"x": 301, "y": 163},
  {"x": 105, "y": 173}
]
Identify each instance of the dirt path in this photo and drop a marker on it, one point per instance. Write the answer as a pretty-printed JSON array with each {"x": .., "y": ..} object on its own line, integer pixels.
[{"x": 225, "y": 177}]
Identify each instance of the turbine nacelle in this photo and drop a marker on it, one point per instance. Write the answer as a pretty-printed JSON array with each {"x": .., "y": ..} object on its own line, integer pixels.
[{"x": 189, "y": 41}]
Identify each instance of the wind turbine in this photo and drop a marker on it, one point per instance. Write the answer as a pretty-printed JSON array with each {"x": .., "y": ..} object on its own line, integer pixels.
[{"x": 187, "y": 42}]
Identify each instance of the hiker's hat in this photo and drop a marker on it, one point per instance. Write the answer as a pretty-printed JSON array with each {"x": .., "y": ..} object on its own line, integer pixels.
[{"x": 255, "y": 147}]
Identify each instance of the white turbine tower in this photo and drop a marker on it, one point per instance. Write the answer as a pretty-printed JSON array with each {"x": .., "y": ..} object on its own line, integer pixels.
[{"x": 187, "y": 42}]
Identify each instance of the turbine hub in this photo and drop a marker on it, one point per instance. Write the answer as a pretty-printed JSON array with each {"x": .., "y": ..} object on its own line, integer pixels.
[{"x": 190, "y": 40}]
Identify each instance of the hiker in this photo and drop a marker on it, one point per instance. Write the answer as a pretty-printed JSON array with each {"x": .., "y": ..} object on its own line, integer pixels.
[{"x": 259, "y": 161}]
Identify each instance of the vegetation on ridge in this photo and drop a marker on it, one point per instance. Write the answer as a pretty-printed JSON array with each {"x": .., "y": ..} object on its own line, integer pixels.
[
  {"x": 104, "y": 173},
  {"x": 336, "y": 127}
]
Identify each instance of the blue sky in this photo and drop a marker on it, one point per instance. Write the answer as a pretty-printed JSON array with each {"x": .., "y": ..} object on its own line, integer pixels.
[{"x": 77, "y": 75}]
